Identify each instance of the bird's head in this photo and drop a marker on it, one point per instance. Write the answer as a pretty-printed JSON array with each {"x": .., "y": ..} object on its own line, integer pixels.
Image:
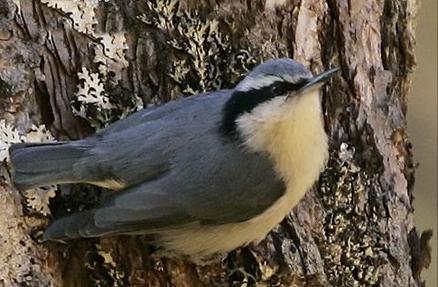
[{"x": 268, "y": 84}]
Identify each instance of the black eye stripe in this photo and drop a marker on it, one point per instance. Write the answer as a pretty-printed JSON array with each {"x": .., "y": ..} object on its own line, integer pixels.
[
  {"x": 296, "y": 86},
  {"x": 244, "y": 101},
  {"x": 281, "y": 87},
  {"x": 278, "y": 88}
]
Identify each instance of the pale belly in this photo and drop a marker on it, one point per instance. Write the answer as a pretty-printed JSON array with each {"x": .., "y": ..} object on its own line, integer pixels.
[
  {"x": 298, "y": 146},
  {"x": 204, "y": 241}
]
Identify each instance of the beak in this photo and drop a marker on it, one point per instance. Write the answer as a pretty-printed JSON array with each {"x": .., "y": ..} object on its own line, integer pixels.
[{"x": 318, "y": 80}]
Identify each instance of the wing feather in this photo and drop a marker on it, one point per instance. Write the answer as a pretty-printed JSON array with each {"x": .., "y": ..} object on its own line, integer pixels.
[{"x": 180, "y": 170}]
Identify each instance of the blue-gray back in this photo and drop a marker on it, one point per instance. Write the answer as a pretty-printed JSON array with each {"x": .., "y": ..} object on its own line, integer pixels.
[{"x": 180, "y": 169}]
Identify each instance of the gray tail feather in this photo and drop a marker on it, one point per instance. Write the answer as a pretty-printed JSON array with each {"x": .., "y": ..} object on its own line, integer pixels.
[
  {"x": 39, "y": 164},
  {"x": 73, "y": 226},
  {"x": 83, "y": 225}
]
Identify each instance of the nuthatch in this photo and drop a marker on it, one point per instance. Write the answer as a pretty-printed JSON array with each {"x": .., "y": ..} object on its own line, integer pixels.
[{"x": 201, "y": 175}]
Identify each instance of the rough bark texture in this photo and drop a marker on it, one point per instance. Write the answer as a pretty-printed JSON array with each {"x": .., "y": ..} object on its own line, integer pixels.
[{"x": 355, "y": 228}]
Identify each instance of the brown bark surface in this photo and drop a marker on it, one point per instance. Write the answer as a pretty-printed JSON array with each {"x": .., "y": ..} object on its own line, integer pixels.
[{"x": 355, "y": 228}]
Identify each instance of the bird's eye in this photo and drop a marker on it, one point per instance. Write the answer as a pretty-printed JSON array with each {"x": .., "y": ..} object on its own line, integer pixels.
[{"x": 276, "y": 89}]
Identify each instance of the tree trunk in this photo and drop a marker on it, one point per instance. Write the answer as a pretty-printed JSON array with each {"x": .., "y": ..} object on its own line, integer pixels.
[{"x": 75, "y": 66}]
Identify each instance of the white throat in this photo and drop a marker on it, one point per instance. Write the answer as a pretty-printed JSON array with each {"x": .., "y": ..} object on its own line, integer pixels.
[{"x": 292, "y": 133}]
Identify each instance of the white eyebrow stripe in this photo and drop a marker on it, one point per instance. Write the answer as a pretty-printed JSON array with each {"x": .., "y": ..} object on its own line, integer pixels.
[
  {"x": 291, "y": 79},
  {"x": 250, "y": 83}
]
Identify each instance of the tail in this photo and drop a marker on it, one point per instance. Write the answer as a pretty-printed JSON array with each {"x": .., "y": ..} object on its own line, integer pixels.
[
  {"x": 40, "y": 164},
  {"x": 85, "y": 225},
  {"x": 73, "y": 226}
]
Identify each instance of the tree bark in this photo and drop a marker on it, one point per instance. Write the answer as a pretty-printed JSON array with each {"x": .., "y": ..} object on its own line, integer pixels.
[{"x": 355, "y": 228}]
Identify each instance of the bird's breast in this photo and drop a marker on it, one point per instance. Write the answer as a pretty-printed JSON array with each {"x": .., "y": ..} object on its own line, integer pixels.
[
  {"x": 296, "y": 142},
  {"x": 292, "y": 133}
]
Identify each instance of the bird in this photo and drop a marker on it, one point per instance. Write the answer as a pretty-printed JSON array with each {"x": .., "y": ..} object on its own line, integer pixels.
[{"x": 201, "y": 175}]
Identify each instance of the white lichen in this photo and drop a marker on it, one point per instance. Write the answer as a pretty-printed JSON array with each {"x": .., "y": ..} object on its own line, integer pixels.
[
  {"x": 204, "y": 58},
  {"x": 92, "y": 101},
  {"x": 109, "y": 265},
  {"x": 273, "y": 4},
  {"x": 107, "y": 257},
  {"x": 15, "y": 243},
  {"x": 91, "y": 96},
  {"x": 110, "y": 54},
  {"x": 39, "y": 134},
  {"x": 8, "y": 136},
  {"x": 201, "y": 42},
  {"x": 344, "y": 152},
  {"x": 81, "y": 12},
  {"x": 163, "y": 13},
  {"x": 37, "y": 199},
  {"x": 351, "y": 235},
  {"x": 17, "y": 247},
  {"x": 91, "y": 91}
]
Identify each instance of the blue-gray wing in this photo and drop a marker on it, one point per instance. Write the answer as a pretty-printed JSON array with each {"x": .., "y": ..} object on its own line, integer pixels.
[
  {"x": 207, "y": 179},
  {"x": 222, "y": 188},
  {"x": 140, "y": 148}
]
